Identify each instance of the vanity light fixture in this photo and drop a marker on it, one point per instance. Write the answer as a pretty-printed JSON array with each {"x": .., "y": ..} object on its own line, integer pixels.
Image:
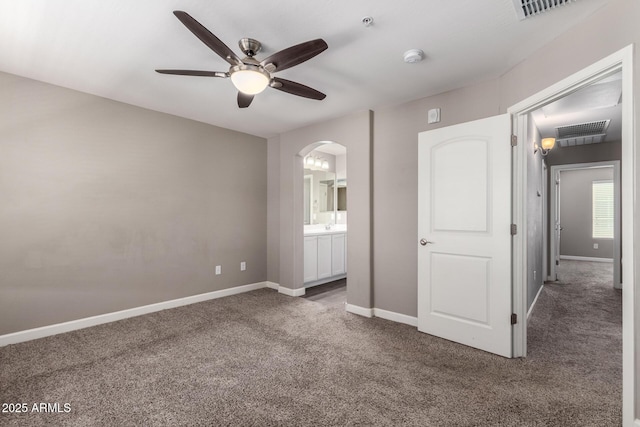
[
  {"x": 325, "y": 164},
  {"x": 545, "y": 146},
  {"x": 318, "y": 162},
  {"x": 310, "y": 161}
]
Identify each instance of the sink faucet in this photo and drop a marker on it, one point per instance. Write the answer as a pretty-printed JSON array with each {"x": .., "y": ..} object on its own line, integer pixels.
[{"x": 328, "y": 226}]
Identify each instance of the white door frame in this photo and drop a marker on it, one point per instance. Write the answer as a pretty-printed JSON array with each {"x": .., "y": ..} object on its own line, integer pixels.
[
  {"x": 615, "y": 164},
  {"x": 545, "y": 223},
  {"x": 621, "y": 60}
]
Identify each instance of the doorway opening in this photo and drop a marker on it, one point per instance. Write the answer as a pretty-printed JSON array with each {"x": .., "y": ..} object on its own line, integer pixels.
[
  {"x": 619, "y": 63},
  {"x": 585, "y": 215},
  {"x": 325, "y": 223},
  {"x": 577, "y": 299}
]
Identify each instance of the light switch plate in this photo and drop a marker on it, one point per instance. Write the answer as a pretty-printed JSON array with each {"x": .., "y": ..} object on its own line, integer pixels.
[
  {"x": 433, "y": 116},
  {"x": 218, "y": 270}
]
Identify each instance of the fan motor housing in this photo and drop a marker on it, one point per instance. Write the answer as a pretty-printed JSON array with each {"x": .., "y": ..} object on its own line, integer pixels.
[{"x": 249, "y": 47}]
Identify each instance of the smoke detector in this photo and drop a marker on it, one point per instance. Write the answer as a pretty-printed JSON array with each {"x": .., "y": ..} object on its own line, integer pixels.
[{"x": 413, "y": 55}]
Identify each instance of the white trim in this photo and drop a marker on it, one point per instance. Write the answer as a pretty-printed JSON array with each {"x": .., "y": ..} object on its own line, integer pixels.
[
  {"x": 395, "y": 317},
  {"x": 291, "y": 292},
  {"x": 585, "y": 258},
  {"x": 519, "y": 127},
  {"x": 637, "y": 422},
  {"x": 360, "y": 311},
  {"x": 383, "y": 314},
  {"x": 535, "y": 300},
  {"x": 620, "y": 60},
  {"x": 59, "y": 328},
  {"x": 272, "y": 285}
]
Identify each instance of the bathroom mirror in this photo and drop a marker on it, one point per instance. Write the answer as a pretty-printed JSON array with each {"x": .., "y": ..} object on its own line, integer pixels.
[
  {"x": 341, "y": 198},
  {"x": 320, "y": 197}
]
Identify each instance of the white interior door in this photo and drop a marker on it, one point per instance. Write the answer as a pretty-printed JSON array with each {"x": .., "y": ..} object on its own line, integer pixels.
[{"x": 464, "y": 219}]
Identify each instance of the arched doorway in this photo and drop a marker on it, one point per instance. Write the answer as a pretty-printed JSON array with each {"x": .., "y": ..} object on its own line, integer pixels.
[{"x": 325, "y": 223}]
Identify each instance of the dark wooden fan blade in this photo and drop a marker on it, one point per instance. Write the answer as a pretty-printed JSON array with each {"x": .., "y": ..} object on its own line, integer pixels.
[
  {"x": 297, "y": 89},
  {"x": 244, "y": 100},
  {"x": 295, "y": 55},
  {"x": 207, "y": 37},
  {"x": 194, "y": 73}
]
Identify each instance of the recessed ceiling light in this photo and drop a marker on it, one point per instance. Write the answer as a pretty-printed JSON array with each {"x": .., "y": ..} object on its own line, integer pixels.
[{"x": 367, "y": 21}]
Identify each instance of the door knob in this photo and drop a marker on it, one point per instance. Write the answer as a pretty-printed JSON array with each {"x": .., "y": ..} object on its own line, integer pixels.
[{"x": 425, "y": 242}]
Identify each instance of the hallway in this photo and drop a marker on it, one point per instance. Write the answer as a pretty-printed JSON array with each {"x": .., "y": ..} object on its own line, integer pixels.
[{"x": 576, "y": 328}]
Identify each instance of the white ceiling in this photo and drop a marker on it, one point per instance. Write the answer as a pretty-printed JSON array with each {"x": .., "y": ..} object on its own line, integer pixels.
[
  {"x": 111, "y": 48},
  {"x": 596, "y": 102}
]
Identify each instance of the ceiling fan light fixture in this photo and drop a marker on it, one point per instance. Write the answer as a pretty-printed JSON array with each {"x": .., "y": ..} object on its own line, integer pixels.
[{"x": 249, "y": 79}]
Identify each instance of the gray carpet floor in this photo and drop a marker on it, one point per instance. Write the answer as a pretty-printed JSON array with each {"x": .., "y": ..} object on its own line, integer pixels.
[{"x": 264, "y": 359}]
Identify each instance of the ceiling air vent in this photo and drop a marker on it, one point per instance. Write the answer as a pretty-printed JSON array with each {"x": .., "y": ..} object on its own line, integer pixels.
[
  {"x": 583, "y": 133},
  {"x": 528, "y": 8}
]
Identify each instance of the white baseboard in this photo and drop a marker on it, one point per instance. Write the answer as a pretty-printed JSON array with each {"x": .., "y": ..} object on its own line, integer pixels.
[
  {"x": 535, "y": 300},
  {"x": 395, "y": 317},
  {"x": 585, "y": 258},
  {"x": 291, "y": 292},
  {"x": 383, "y": 314},
  {"x": 637, "y": 422},
  {"x": 360, "y": 311},
  {"x": 272, "y": 285},
  {"x": 59, "y": 328}
]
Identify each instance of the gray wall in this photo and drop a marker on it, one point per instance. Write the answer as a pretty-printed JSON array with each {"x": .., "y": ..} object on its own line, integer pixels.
[
  {"x": 576, "y": 213},
  {"x": 535, "y": 215},
  {"x": 584, "y": 154},
  {"x": 353, "y": 132},
  {"x": 579, "y": 154},
  {"x": 106, "y": 206},
  {"x": 273, "y": 210},
  {"x": 396, "y": 128}
]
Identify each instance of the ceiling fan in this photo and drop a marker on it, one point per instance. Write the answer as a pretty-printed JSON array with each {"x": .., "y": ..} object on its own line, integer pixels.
[{"x": 249, "y": 75}]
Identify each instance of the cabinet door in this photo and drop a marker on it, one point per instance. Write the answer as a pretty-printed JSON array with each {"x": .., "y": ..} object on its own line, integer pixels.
[
  {"x": 324, "y": 257},
  {"x": 310, "y": 259},
  {"x": 337, "y": 252}
]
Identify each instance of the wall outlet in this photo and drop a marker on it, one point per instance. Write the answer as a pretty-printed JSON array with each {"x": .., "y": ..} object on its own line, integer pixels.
[
  {"x": 243, "y": 266},
  {"x": 218, "y": 270},
  {"x": 595, "y": 246}
]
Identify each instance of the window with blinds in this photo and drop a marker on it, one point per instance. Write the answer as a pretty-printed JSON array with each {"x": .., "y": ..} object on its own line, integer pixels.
[{"x": 602, "y": 201}]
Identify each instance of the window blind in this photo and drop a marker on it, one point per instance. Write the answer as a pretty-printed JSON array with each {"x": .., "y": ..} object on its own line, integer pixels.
[{"x": 602, "y": 201}]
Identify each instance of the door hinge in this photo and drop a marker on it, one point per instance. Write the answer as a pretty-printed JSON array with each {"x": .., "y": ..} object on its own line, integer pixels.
[
  {"x": 514, "y": 140},
  {"x": 514, "y": 318},
  {"x": 514, "y": 229},
  {"x": 557, "y": 262}
]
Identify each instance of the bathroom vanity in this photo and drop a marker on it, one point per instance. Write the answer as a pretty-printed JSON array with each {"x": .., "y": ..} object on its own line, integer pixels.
[{"x": 325, "y": 254}]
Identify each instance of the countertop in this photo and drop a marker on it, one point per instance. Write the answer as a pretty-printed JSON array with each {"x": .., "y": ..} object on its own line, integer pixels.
[{"x": 320, "y": 230}]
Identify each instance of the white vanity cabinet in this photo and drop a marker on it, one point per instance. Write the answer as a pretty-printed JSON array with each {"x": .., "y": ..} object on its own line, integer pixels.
[
  {"x": 324, "y": 257},
  {"x": 310, "y": 258},
  {"x": 338, "y": 252}
]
